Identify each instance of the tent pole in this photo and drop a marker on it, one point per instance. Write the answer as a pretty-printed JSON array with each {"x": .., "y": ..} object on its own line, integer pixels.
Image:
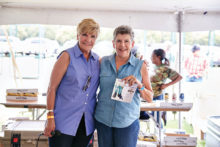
[{"x": 179, "y": 25}]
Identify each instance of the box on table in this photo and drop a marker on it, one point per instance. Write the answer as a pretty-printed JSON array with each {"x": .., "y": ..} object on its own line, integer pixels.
[
  {"x": 22, "y": 94},
  {"x": 180, "y": 141},
  {"x": 28, "y": 131}
]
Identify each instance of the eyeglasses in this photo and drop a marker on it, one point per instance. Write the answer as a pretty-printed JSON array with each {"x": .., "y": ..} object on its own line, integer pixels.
[{"x": 86, "y": 86}]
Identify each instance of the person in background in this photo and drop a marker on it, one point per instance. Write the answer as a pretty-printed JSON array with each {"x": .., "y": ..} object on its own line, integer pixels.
[
  {"x": 71, "y": 95},
  {"x": 117, "y": 122},
  {"x": 162, "y": 72},
  {"x": 196, "y": 65}
]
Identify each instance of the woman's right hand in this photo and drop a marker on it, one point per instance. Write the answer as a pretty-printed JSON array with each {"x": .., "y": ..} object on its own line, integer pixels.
[{"x": 50, "y": 127}]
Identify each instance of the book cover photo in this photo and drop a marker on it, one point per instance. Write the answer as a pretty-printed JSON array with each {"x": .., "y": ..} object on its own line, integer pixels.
[{"x": 123, "y": 92}]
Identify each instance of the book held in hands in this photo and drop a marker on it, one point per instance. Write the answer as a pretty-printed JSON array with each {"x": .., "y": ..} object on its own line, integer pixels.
[{"x": 123, "y": 92}]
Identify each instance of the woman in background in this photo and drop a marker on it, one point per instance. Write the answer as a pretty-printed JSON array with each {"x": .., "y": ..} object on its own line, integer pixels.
[{"x": 162, "y": 72}]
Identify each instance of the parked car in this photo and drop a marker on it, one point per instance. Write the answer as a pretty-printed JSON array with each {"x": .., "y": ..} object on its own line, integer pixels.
[
  {"x": 41, "y": 46},
  {"x": 15, "y": 44}
]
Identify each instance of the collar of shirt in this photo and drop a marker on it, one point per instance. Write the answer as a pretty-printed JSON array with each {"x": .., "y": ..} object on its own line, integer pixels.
[
  {"x": 131, "y": 60},
  {"x": 77, "y": 52},
  {"x": 158, "y": 66}
]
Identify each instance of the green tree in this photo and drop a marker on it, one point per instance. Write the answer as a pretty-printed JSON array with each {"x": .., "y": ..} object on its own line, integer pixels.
[
  {"x": 27, "y": 31},
  {"x": 51, "y": 31},
  {"x": 66, "y": 33},
  {"x": 200, "y": 38}
]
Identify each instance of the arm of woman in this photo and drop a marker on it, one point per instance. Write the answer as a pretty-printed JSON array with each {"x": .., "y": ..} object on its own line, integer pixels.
[
  {"x": 58, "y": 72},
  {"x": 145, "y": 88},
  {"x": 177, "y": 79}
]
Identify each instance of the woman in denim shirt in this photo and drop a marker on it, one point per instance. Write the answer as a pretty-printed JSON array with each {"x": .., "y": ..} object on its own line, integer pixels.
[{"x": 117, "y": 122}]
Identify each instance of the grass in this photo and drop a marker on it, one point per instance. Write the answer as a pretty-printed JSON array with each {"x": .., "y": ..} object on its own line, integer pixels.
[
  {"x": 201, "y": 143},
  {"x": 173, "y": 124}
]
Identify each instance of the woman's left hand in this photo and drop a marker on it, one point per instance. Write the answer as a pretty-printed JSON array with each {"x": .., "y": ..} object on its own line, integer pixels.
[
  {"x": 132, "y": 80},
  {"x": 163, "y": 86}
]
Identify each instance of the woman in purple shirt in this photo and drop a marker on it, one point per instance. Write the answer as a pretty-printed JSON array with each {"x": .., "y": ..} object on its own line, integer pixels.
[{"x": 71, "y": 95}]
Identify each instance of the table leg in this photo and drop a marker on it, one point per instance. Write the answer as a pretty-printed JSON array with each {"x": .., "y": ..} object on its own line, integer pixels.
[
  {"x": 33, "y": 113},
  {"x": 154, "y": 118},
  {"x": 159, "y": 126},
  {"x": 37, "y": 113}
]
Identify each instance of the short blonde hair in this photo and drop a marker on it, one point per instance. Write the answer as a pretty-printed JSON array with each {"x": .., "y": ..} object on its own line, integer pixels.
[{"x": 88, "y": 26}]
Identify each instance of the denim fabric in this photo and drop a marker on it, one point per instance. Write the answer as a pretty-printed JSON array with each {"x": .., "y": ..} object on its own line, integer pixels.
[
  {"x": 193, "y": 79},
  {"x": 111, "y": 112},
  {"x": 160, "y": 97},
  {"x": 118, "y": 137}
]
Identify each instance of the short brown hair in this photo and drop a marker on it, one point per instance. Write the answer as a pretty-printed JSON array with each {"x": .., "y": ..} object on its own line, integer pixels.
[
  {"x": 88, "y": 26},
  {"x": 124, "y": 29}
]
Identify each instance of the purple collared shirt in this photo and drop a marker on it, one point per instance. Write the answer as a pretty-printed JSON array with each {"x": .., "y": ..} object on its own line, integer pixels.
[{"x": 71, "y": 100}]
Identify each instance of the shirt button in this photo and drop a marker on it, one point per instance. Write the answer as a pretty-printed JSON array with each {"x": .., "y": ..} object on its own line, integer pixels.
[
  {"x": 87, "y": 94},
  {"x": 85, "y": 103}
]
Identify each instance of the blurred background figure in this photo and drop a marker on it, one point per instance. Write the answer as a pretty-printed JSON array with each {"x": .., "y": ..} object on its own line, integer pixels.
[
  {"x": 196, "y": 66},
  {"x": 162, "y": 72}
]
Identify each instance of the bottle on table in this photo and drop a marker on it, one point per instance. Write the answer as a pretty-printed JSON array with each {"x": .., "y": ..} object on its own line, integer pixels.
[
  {"x": 166, "y": 97},
  {"x": 181, "y": 98},
  {"x": 174, "y": 98}
]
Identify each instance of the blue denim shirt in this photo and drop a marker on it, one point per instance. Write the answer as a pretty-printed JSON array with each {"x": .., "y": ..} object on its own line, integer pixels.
[
  {"x": 115, "y": 113},
  {"x": 71, "y": 101}
]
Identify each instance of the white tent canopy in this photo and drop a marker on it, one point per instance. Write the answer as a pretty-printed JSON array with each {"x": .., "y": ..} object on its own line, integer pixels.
[{"x": 194, "y": 15}]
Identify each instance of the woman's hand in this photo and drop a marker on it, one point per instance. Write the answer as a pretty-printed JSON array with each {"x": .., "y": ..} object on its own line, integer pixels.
[
  {"x": 50, "y": 127},
  {"x": 163, "y": 86},
  {"x": 131, "y": 80}
]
